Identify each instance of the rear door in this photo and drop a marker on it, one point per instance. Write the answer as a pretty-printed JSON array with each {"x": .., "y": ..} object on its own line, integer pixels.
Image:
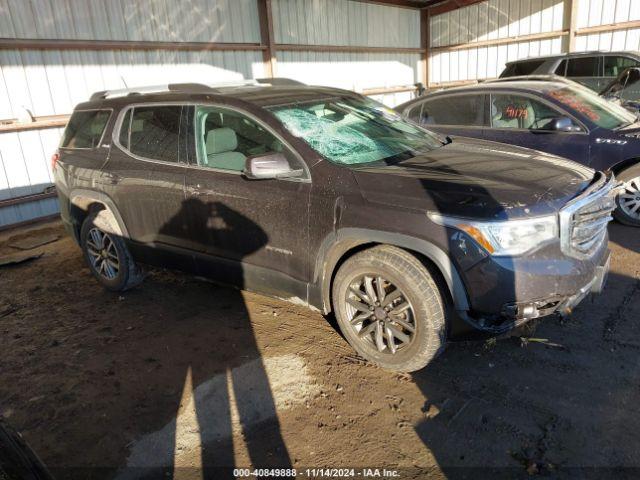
[
  {"x": 253, "y": 233},
  {"x": 456, "y": 114},
  {"x": 520, "y": 119},
  {"x": 587, "y": 70},
  {"x": 145, "y": 176}
]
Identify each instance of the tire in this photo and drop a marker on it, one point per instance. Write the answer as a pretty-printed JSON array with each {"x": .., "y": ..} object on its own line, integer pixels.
[
  {"x": 628, "y": 202},
  {"x": 115, "y": 269},
  {"x": 419, "y": 306},
  {"x": 17, "y": 460}
]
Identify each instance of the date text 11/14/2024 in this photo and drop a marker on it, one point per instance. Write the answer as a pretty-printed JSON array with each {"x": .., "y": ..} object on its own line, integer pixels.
[{"x": 316, "y": 473}]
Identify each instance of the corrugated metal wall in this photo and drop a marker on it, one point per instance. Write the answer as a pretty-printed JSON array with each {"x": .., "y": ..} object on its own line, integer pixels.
[
  {"x": 593, "y": 13},
  {"x": 230, "y": 21},
  {"x": 340, "y": 22},
  {"x": 492, "y": 20},
  {"x": 353, "y": 71},
  {"x": 51, "y": 82}
]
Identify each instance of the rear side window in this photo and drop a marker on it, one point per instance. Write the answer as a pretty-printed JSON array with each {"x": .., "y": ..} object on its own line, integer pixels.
[
  {"x": 459, "y": 110},
  {"x": 583, "y": 67},
  {"x": 521, "y": 68},
  {"x": 85, "y": 129},
  {"x": 152, "y": 132},
  {"x": 613, "y": 66}
]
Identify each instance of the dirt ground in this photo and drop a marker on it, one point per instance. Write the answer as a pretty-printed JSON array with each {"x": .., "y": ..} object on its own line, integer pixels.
[{"x": 180, "y": 372}]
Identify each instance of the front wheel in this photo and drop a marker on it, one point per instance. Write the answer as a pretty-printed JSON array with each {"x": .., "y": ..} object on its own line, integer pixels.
[
  {"x": 390, "y": 308},
  {"x": 628, "y": 202}
]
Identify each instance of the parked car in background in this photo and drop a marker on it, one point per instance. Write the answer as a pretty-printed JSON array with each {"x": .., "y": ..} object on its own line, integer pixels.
[
  {"x": 625, "y": 90},
  {"x": 592, "y": 69},
  {"x": 327, "y": 198},
  {"x": 557, "y": 117}
]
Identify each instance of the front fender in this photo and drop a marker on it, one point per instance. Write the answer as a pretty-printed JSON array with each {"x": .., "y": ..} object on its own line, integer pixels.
[{"x": 336, "y": 245}]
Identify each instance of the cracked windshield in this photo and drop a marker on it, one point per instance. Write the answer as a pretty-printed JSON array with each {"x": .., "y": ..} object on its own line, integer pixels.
[{"x": 353, "y": 131}]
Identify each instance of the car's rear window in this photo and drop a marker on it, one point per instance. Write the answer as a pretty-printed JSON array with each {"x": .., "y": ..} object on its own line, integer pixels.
[
  {"x": 85, "y": 129},
  {"x": 521, "y": 68}
]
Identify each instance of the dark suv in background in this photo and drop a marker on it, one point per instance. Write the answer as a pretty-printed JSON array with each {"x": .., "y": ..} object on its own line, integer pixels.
[
  {"x": 559, "y": 117},
  {"x": 592, "y": 69},
  {"x": 326, "y": 198}
]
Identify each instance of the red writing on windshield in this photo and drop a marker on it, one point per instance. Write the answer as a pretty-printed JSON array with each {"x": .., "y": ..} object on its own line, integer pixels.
[{"x": 574, "y": 102}]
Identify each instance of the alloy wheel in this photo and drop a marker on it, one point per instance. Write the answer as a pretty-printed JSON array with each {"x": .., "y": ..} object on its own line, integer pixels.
[
  {"x": 629, "y": 199},
  {"x": 380, "y": 313},
  {"x": 103, "y": 254}
]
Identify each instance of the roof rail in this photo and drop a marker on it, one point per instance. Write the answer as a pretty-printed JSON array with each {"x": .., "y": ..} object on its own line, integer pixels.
[
  {"x": 172, "y": 87},
  {"x": 279, "y": 81},
  {"x": 123, "y": 92}
]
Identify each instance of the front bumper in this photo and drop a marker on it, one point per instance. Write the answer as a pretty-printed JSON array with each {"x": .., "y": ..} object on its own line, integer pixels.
[
  {"x": 505, "y": 292},
  {"x": 596, "y": 286},
  {"x": 525, "y": 290}
]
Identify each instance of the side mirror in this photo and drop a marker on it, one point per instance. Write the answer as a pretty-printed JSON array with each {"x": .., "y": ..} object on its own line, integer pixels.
[
  {"x": 561, "y": 124},
  {"x": 270, "y": 165}
]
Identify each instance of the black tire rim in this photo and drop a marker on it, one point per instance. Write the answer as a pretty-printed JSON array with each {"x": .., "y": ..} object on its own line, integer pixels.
[
  {"x": 629, "y": 199},
  {"x": 103, "y": 254},
  {"x": 380, "y": 313}
]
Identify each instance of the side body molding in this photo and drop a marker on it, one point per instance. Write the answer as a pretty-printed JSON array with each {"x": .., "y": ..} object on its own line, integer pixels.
[{"x": 337, "y": 244}]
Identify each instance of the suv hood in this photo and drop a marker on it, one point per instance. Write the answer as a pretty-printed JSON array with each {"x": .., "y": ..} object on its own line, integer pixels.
[{"x": 477, "y": 179}]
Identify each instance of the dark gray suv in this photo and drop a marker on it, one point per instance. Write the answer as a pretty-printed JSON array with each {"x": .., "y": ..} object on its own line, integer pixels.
[
  {"x": 592, "y": 69},
  {"x": 323, "y": 197}
]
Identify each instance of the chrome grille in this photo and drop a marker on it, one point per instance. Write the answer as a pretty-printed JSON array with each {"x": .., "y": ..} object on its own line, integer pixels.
[{"x": 583, "y": 222}]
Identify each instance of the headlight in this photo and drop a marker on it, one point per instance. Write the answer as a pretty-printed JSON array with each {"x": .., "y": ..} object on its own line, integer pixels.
[{"x": 512, "y": 237}]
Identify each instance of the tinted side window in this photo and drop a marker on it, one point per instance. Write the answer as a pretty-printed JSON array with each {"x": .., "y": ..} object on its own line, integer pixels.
[
  {"x": 562, "y": 68},
  {"x": 153, "y": 132},
  {"x": 456, "y": 110},
  {"x": 515, "y": 111},
  {"x": 583, "y": 67},
  {"x": 613, "y": 66},
  {"x": 85, "y": 129}
]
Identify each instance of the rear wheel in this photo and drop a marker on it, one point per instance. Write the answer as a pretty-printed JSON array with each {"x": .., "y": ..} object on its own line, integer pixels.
[
  {"x": 628, "y": 201},
  {"x": 107, "y": 256},
  {"x": 390, "y": 309}
]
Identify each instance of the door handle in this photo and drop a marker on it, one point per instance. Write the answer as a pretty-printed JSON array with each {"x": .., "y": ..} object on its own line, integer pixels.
[
  {"x": 194, "y": 191},
  {"x": 111, "y": 178}
]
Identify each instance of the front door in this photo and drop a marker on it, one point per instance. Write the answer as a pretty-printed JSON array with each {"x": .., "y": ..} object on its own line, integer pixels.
[
  {"x": 521, "y": 120},
  {"x": 253, "y": 233}
]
